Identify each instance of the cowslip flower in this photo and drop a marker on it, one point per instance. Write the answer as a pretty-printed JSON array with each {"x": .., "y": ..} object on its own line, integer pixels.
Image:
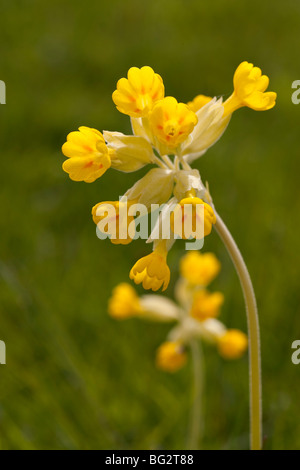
[
  {"x": 186, "y": 216},
  {"x": 250, "y": 90},
  {"x": 88, "y": 156},
  {"x": 152, "y": 270},
  {"x": 169, "y": 135},
  {"x": 136, "y": 94},
  {"x": 112, "y": 218}
]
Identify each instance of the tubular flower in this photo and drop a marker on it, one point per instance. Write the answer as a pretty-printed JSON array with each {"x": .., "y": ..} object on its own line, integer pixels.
[
  {"x": 124, "y": 302},
  {"x": 195, "y": 223},
  {"x": 152, "y": 270},
  {"x": 199, "y": 269},
  {"x": 88, "y": 156},
  {"x": 249, "y": 90},
  {"x": 198, "y": 102},
  {"x": 232, "y": 344},
  {"x": 206, "y": 305},
  {"x": 171, "y": 122},
  {"x": 136, "y": 94},
  {"x": 111, "y": 217},
  {"x": 171, "y": 356}
]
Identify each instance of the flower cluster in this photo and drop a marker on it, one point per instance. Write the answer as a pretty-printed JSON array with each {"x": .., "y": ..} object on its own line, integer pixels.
[
  {"x": 195, "y": 312},
  {"x": 169, "y": 135}
]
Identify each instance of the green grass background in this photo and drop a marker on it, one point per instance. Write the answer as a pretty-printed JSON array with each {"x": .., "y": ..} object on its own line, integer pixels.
[{"x": 75, "y": 378}]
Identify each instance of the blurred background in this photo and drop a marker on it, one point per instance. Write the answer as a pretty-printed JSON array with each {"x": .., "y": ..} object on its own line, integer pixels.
[{"x": 75, "y": 378}]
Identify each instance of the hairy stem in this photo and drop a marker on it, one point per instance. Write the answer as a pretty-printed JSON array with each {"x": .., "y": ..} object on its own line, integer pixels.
[
  {"x": 253, "y": 333},
  {"x": 196, "y": 419}
]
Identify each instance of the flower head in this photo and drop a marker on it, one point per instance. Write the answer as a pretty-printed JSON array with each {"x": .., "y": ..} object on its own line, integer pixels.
[
  {"x": 170, "y": 135},
  {"x": 232, "y": 344},
  {"x": 249, "y": 90},
  {"x": 152, "y": 270},
  {"x": 171, "y": 356},
  {"x": 88, "y": 156},
  {"x": 136, "y": 94},
  {"x": 206, "y": 305},
  {"x": 124, "y": 302},
  {"x": 199, "y": 269},
  {"x": 171, "y": 122}
]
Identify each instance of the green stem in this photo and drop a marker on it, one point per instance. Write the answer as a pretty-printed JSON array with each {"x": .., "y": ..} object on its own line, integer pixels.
[
  {"x": 196, "y": 426},
  {"x": 253, "y": 332}
]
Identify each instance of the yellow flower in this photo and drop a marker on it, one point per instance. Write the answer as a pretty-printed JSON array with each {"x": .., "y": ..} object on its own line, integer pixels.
[
  {"x": 171, "y": 122},
  {"x": 206, "y": 305},
  {"x": 180, "y": 223},
  {"x": 124, "y": 302},
  {"x": 115, "y": 214},
  {"x": 152, "y": 270},
  {"x": 249, "y": 87},
  {"x": 136, "y": 94},
  {"x": 198, "y": 102},
  {"x": 199, "y": 269},
  {"x": 171, "y": 356},
  {"x": 232, "y": 344},
  {"x": 88, "y": 156}
]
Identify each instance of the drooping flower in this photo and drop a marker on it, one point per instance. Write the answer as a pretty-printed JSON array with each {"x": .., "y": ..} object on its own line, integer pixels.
[
  {"x": 112, "y": 218},
  {"x": 152, "y": 270},
  {"x": 88, "y": 155},
  {"x": 250, "y": 90},
  {"x": 192, "y": 217}
]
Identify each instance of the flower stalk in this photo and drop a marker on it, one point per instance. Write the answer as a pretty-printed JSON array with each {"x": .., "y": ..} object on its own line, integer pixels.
[
  {"x": 253, "y": 333},
  {"x": 197, "y": 421}
]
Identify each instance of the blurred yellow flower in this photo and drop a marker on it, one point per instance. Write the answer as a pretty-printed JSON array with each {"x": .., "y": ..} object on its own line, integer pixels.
[
  {"x": 232, "y": 344},
  {"x": 171, "y": 122},
  {"x": 171, "y": 356},
  {"x": 199, "y": 269},
  {"x": 88, "y": 156},
  {"x": 124, "y": 302},
  {"x": 206, "y": 305},
  {"x": 249, "y": 90},
  {"x": 152, "y": 270},
  {"x": 136, "y": 94},
  {"x": 198, "y": 102}
]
